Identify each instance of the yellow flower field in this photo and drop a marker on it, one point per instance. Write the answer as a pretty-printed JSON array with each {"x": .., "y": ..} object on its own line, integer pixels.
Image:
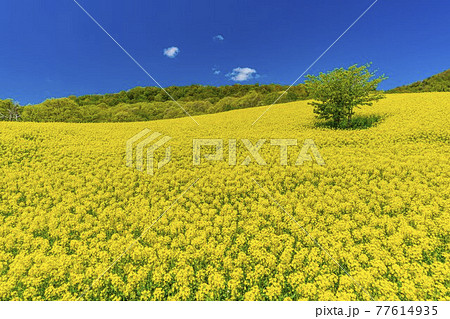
[{"x": 380, "y": 208}]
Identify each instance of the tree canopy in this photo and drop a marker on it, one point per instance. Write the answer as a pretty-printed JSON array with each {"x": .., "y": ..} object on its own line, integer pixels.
[
  {"x": 150, "y": 103},
  {"x": 337, "y": 93}
]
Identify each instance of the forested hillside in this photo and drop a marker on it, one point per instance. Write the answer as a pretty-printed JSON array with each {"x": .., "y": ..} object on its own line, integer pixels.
[
  {"x": 151, "y": 103},
  {"x": 437, "y": 83}
]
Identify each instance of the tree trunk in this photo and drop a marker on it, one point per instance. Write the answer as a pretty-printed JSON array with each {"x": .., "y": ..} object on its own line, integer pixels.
[
  {"x": 349, "y": 118},
  {"x": 336, "y": 121}
]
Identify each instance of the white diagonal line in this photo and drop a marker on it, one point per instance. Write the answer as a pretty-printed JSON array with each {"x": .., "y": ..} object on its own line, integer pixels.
[
  {"x": 312, "y": 238},
  {"x": 134, "y": 60},
  {"x": 137, "y": 239},
  {"x": 315, "y": 61}
]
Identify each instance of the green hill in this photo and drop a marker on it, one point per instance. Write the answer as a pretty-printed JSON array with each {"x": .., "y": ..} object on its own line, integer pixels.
[
  {"x": 437, "y": 83},
  {"x": 190, "y": 93},
  {"x": 151, "y": 103}
]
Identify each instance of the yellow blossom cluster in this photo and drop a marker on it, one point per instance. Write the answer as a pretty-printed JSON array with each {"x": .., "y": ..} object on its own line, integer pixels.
[{"x": 373, "y": 222}]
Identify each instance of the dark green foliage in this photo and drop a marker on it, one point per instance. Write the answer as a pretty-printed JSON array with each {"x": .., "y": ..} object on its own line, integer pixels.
[
  {"x": 436, "y": 83},
  {"x": 188, "y": 93},
  {"x": 355, "y": 123},
  {"x": 54, "y": 110},
  {"x": 337, "y": 93},
  {"x": 150, "y": 103}
]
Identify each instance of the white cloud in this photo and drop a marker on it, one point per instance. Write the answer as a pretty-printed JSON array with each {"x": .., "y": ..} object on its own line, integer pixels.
[
  {"x": 218, "y": 37},
  {"x": 242, "y": 74},
  {"x": 215, "y": 71},
  {"x": 171, "y": 52}
]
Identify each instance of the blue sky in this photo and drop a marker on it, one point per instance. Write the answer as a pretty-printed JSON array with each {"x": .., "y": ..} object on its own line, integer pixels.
[{"x": 51, "y": 48}]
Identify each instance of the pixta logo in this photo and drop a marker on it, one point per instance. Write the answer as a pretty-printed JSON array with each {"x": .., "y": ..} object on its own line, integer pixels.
[
  {"x": 147, "y": 146},
  {"x": 253, "y": 149},
  {"x": 146, "y": 143}
]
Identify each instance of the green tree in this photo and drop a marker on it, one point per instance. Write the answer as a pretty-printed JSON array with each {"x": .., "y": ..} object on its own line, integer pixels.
[
  {"x": 226, "y": 104},
  {"x": 338, "y": 92},
  {"x": 53, "y": 110},
  {"x": 250, "y": 99},
  {"x": 9, "y": 110}
]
